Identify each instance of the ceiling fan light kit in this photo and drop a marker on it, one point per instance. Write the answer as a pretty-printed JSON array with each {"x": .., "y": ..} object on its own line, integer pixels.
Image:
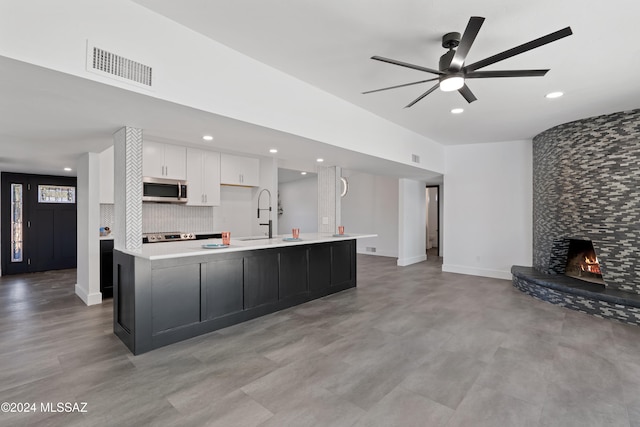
[
  {"x": 451, "y": 83},
  {"x": 453, "y": 73}
]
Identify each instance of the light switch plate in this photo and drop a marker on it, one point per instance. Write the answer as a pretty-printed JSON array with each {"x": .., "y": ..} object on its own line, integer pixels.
[{"x": 325, "y": 220}]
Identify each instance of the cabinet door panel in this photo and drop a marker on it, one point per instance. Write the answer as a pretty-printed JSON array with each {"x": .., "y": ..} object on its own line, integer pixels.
[
  {"x": 260, "y": 280},
  {"x": 175, "y": 295},
  {"x": 319, "y": 267},
  {"x": 175, "y": 160},
  {"x": 340, "y": 262},
  {"x": 211, "y": 178},
  {"x": 224, "y": 290},
  {"x": 153, "y": 159},
  {"x": 106, "y": 268},
  {"x": 237, "y": 170},
  {"x": 251, "y": 172},
  {"x": 194, "y": 177},
  {"x": 229, "y": 169},
  {"x": 293, "y": 273}
]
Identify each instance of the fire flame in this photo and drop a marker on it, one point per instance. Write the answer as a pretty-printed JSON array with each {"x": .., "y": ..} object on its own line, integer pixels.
[{"x": 591, "y": 265}]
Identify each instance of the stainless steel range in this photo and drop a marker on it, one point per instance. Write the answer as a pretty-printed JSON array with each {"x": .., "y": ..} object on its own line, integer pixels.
[{"x": 166, "y": 237}]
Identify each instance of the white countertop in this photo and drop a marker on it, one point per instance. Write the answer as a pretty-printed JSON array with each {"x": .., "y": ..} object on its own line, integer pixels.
[{"x": 165, "y": 250}]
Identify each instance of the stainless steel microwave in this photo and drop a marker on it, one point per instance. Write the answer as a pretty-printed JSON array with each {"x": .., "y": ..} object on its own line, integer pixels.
[{"x": 164, "y": 190}]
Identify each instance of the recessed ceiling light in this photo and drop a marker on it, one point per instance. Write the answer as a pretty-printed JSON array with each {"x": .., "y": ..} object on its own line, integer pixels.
[
  {"x": 303, "y": 173},
  {"x": 207, "y": 138},
  {"x": 319, "y": 160},
  {"x": 273, "y": 150},
  {"x": 457, "y": 110},
  {"x": 67, "y": 169},
  {"x": 554, "y": 95}
]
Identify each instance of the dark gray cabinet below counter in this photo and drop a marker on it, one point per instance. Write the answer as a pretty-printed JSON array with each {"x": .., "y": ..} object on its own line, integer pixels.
[
  {"x": 106, "y": 268},
  {"x": 159, "y": 302}
]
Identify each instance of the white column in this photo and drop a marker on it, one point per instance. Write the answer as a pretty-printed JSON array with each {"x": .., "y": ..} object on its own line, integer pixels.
[
  {"x": 412, "y": 215},
  {"x": 88, "y": 229},
  {"x": 127, "y": 143}
]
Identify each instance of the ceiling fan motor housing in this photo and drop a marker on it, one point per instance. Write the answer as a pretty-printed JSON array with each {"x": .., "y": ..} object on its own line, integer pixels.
[{"x": 451, "y": 40}]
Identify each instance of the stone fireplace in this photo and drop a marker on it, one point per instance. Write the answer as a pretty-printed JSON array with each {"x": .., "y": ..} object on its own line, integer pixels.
[
  {"x": 586, "y": 185},
  {"x": 586, "y": 188}
]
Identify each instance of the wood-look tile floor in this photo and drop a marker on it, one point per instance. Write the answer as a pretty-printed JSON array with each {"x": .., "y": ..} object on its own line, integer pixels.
[{"x": 411, "y": 346}]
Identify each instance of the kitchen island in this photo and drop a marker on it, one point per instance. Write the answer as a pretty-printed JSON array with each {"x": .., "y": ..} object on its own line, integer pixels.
[{"x": 178, "y": 290}]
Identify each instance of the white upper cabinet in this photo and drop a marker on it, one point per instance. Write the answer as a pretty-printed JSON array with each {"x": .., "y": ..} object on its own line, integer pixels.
[
  {"x": 161, "y": 160},
  {"x": 203, "y": 177},
  {"x": 237, "y": 170},
  {"x": 106, "y": 176}
]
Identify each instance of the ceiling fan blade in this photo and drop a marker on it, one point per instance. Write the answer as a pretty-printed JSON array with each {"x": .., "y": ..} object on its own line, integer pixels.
[
  {"x": 505, "y": 73},
  {"x": 422, "y": 96},
  {"x": 470, "y": 33},
  {"x": 467, "y": 94},
  {"x": 405, "y": 64},
  {"x": 403, "y": 85},
  {"x": 519, "y": 49}
]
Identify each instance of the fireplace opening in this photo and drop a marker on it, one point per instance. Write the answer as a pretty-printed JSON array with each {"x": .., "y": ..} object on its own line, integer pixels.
[{"x": 582, "y": 262}]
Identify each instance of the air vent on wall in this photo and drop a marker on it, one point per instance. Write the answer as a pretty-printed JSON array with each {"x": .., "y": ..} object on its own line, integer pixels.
[
  {"x": 107, "y": 63},
  {"x": 415, "y": 158}
]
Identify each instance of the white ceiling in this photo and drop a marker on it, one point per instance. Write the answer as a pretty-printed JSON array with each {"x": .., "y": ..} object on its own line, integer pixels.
[
  {"x": 48, "y": 118},
  {"x": 329, "y": 43}
]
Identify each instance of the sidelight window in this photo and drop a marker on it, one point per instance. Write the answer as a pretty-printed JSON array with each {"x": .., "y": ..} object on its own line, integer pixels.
[{"x": 16, "y": 223}]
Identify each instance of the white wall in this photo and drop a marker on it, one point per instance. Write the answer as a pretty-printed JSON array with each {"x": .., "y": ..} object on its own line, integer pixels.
[
  {"x": 488, "y": 208},
  {"x": 412, "y": 222},
  {"x": 371, "y": 206},
  {"x": 236, "y": 212},
  {"x": 299, "y": 201},
  {"x": 269, "y": 181},
  {"x": 54, "y": 35}
]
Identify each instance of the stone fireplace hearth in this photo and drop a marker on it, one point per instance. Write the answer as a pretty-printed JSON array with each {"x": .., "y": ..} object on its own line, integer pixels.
[{"x": 586, "y": 187}]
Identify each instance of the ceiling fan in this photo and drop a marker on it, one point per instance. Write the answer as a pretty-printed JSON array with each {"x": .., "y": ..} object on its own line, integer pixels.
[{"x": 453, "y": 72}]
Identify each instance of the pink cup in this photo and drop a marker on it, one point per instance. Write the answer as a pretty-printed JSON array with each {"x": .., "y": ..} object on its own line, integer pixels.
[
  {"x": 226, "y": 237},
  {"x": 296, "y": 233},
  {"x": 341, "y": 229}
]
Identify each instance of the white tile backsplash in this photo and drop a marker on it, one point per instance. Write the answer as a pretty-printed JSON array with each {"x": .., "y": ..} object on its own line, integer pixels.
[
  {"x": 107, "y": 216},
  {"x": 166, "y": 217}
]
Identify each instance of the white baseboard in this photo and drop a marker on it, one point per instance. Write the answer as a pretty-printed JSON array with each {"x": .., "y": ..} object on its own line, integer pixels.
[
  {"x": 403, "y": 262},
  {"x": 379, "y": 253},
  {"x": 88, "y": 299},
  {"x": 474, "y": 271}
]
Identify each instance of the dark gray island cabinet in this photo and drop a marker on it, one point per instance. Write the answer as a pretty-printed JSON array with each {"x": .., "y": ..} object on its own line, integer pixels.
[{"x": 162, "y": 300}]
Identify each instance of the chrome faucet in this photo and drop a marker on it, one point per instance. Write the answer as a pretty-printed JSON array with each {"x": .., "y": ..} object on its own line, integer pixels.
[{"x": 270, "y": 223}]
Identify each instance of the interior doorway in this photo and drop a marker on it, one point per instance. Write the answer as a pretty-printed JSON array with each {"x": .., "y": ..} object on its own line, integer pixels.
[
  {"x": 433, "y": 220},
  {"x": 38, "y": 223}
]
